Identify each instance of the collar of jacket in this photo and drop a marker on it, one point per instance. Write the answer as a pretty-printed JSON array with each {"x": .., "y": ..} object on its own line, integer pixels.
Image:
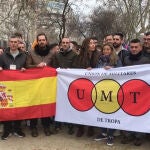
[
  {"x": 65, "y": 52},
  {"x": 42, "y": 52},
  {"x": 7, "y": 51},
  {"x": 136, "y": 56}
]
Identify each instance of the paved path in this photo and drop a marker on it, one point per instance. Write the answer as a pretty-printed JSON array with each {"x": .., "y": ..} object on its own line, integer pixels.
[{"x": 63, "y": 141}]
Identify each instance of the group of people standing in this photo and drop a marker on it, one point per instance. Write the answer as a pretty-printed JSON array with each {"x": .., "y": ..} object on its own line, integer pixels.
[{"x": 68, "y": 54}]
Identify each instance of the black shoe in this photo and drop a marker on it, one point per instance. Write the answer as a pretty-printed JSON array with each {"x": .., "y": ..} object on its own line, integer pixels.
[
  {"x": 127, "y": 139},
  {"x": 138, "y": 142},
  {"x": 19, "y": 133},
  {"x": 5, "y": 135},
  {"x": 57, "y": 129},
  {"x": 110, "y": 141},
  {"x": 90, "y": 132},
  {"x": 70, "y": 131},
  {"x": 34, "y": 132},
  {"x": 80, "y": 131},
  {"x": 47, "y": 131}
]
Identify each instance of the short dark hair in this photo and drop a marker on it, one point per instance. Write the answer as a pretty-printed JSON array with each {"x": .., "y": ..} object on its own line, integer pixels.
[
  {"x": 135, "y": 41},
  {"x": 119, "y": 34},
  {"x": 147, "y": 33},
  {"x": 74, "y": 43},
  {"x": 18, "y": 34},
  {"x": 21, "y": 42},
  {"x": 40, "y": 35},
  {"x": 108, "y": 35},
  {"x": 94, "y": 38},
  {"x": 13, "y": 36}
]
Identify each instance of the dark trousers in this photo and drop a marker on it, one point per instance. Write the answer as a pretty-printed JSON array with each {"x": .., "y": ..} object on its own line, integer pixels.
[
  {"x": 12, "y": 126},
  {"x": 70, "y": 126},
  {"x": 45, "y": 122},
  {"x": 109, "y": 132},
  {"x": 134, "y": 134}
]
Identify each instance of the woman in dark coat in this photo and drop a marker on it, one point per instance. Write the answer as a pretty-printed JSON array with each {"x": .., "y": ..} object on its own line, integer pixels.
[{"x": 87, "y": 59}]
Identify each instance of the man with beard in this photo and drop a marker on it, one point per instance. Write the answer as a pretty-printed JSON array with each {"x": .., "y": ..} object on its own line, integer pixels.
[
  {"x": 39, "y": 57},
  {"x": 120, "y": 50},
  {"x": 146, "y": 45}
]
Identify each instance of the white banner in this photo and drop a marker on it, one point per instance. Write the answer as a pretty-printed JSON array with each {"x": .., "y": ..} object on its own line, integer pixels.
[{"x": 117, "y": 98}]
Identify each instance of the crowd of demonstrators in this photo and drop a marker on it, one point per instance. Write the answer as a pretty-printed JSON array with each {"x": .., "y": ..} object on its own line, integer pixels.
[
  {"x": 40, "y": 57},
  {"x": 12, "y": 59},
  {"x": 69, "y": 54}
]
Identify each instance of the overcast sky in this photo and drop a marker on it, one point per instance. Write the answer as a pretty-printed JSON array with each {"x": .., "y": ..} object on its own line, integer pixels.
[{"x": 85, "y": 6}]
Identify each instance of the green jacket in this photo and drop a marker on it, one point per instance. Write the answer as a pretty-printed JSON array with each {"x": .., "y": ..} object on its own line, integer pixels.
[{"x": 63, "y": 59}]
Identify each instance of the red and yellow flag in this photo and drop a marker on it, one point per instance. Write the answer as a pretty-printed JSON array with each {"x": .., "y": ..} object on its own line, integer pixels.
[{"x": 28, "y": 94}]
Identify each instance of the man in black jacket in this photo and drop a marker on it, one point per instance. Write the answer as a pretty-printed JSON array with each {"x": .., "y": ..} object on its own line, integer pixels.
[
  {"x": 135, "y": 57},
  {"x": 12, "y": 59}
]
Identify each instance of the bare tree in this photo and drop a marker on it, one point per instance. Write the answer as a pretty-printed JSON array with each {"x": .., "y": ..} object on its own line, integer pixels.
[
  {"x": 133, "y": 13},
  {"x": 103, "y": 22},
  {"x": 63, "y": 19},
  {"x": 16, "y": 16}
]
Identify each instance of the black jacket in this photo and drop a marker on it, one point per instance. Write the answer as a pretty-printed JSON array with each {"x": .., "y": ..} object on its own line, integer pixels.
[
  {"x": 88, "y": 62},
  {"x": 146, "y": 52},
  {"x": 136, "y": 59},
  {"x": 122, "y": 54},
  {"x": 63, "y": 59},
  {"x": 6, "y": 59}
]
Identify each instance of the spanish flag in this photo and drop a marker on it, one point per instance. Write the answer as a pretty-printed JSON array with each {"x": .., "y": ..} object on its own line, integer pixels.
[{"x": 28, "y": 94}]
